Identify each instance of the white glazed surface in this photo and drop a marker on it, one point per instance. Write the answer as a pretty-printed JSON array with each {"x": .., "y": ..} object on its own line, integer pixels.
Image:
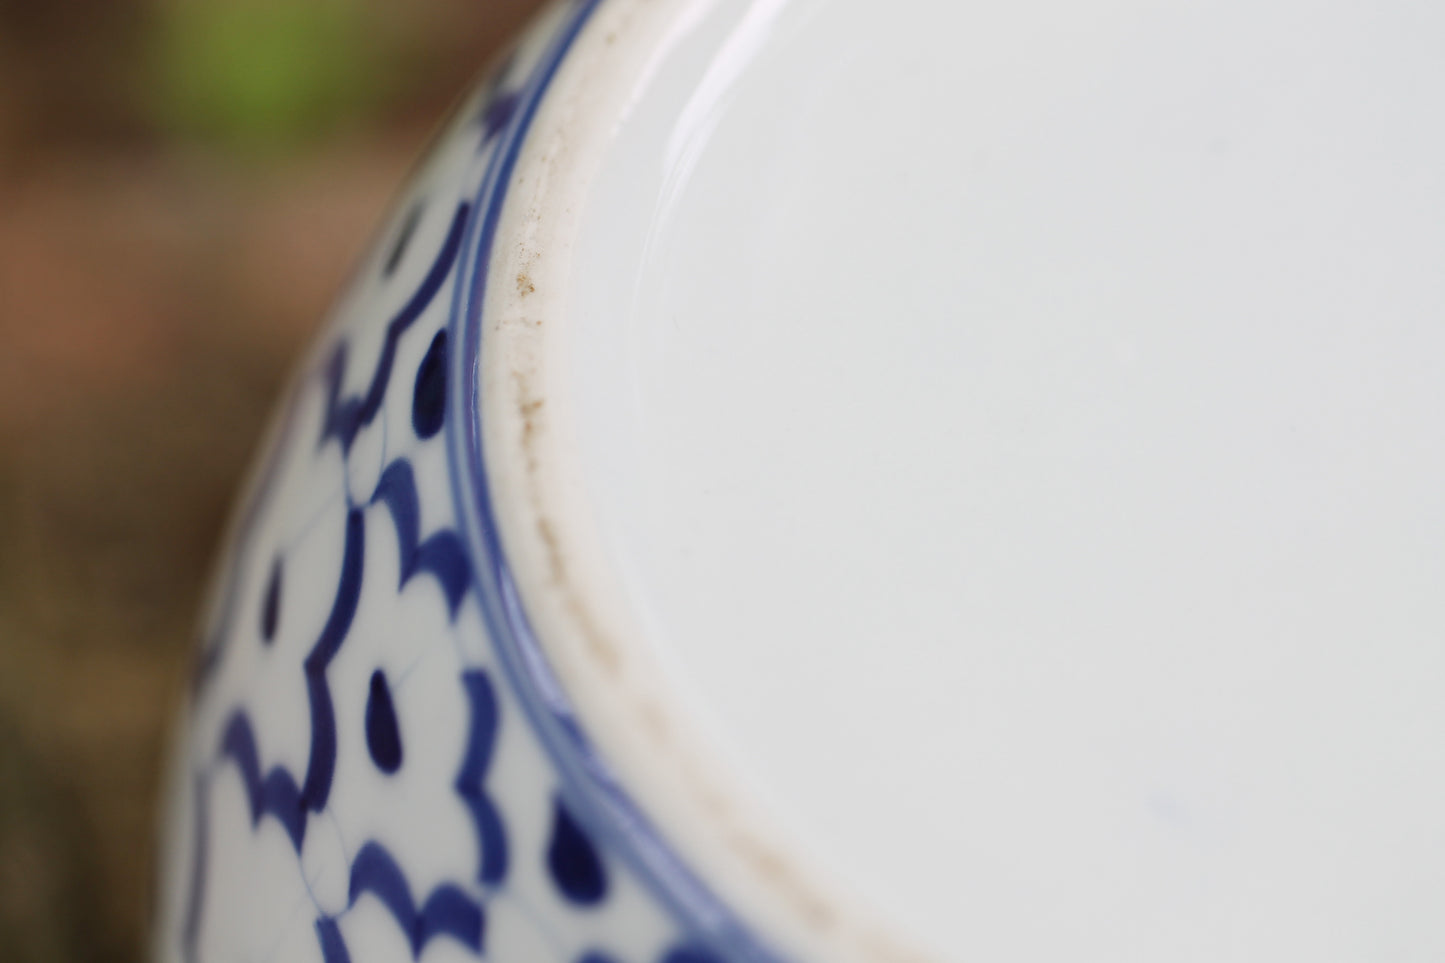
[
  {"x": 361, "y": 778},
  {"x": 1017, "y": 430},
  {"x": 972, "y": 469}
]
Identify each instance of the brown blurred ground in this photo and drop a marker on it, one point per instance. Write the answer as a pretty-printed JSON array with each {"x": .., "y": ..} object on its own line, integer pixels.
[{"x": 157, "y": 275}]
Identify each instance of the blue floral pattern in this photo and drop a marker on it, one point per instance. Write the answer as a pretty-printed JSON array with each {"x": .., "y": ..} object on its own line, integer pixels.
[{"x": 361, "y": 780}]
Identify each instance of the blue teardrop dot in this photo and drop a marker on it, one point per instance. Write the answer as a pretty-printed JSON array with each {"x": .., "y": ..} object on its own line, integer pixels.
[
  {"x": 593, "y": 956},
  {"x": 573, "y": 860},
  {"x": 383, "y": 738},
  {"x": 271, "y": 604},
  {"x": 429, "y": 401},
  {"x": 403, "y": 240}
]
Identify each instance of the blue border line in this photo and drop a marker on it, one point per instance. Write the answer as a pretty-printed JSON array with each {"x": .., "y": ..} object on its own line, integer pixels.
[{"x": 592, "y": 792}]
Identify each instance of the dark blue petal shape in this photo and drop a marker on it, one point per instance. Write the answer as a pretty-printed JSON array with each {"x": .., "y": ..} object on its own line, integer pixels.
[
  {"x": 345, "y": 417},
  {"x": 274, "y": 794},
  {"x": 271, "y": 604},
  {"x": 497, "y": 113},
  {"x": 447, "y": 910},
  {"x": 333, "y": 947},
  {"x": 429, "y": 398},
  {"x": 573, "y": 861},
  {"x": 469, "y": 784},
  {"x": 441, "y": 555},
  {"x": 383, "y": 736}
]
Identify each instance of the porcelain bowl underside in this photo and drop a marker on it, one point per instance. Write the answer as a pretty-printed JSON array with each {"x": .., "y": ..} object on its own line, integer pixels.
[{"x": 795, "y": 483}]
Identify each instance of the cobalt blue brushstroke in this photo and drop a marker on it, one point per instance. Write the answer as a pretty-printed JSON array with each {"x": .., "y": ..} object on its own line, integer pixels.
[
  {"x": 496, "y": 114},
  {"x": 383, "y": 735},
  {"x": 447, "y": 910},
  {"x": 273, "y": 795},
  {"x": 429, "y": 397},
  {"x": 271, "y": 604},
  {"x": 321, "y": 764},
  {"x": 613, "y": 814},
  {"x": 441, "y": 555},
  {"x": 347, "y": 416},
  {"x": 573, "y": 862},
  {"x": 491, "y": 834},
  {"x": 403, "y": 239},
  {"x": 196, "y": 895},
  {"x": 333, "y": 947},
  {"x": 498, "y": 105}
]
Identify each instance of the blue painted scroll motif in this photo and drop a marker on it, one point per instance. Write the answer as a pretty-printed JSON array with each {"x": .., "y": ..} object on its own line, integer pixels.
[{"x": 359, "y": 782}]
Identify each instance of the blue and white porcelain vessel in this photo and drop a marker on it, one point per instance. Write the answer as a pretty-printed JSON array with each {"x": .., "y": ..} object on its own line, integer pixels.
[{"x": 800, "y": 481}]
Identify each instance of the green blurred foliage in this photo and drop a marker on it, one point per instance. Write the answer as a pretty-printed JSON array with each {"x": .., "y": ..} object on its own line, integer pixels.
[{"x": 263, "y": 75}]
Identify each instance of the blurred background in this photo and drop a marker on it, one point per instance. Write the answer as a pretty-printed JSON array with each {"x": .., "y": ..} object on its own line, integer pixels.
[{"x": 183, "y": 186}]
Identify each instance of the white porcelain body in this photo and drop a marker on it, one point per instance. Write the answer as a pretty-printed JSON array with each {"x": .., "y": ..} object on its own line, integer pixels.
[
  {"x": 359, "y": 777},
  {"x": 961, "y": 483}
]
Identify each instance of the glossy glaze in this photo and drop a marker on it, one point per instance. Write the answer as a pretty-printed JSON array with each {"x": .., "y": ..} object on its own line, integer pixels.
[{"x": 797, "y": 484}]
